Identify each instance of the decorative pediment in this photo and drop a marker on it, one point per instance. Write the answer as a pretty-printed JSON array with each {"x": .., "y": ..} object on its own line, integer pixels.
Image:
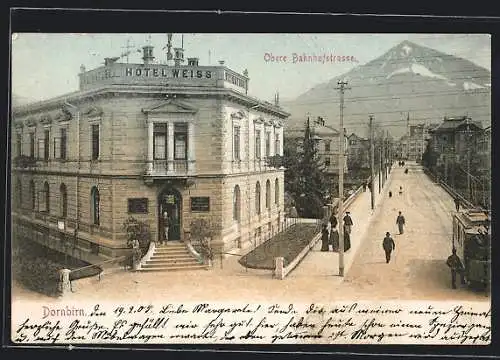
[
  {"x": 46, "y": 119},
  {"x": 268, "y": 122},
  {"x": 63, "y": 115},
  {"x": 238, "y": 115},
  {"x": 170, "y": 106},
  {"x": 259, "y": 120},
  {"x": 93, "y": 111},
  {"x": 31, "y": 121}
]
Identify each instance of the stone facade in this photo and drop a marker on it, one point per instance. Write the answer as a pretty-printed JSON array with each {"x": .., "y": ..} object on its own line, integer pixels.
[{"x": 113, "y": 148}]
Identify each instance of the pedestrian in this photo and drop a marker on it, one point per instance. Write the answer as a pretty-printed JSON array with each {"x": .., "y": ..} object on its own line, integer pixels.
[
  {"x": 457, "y": 203},
  {"x": 370, "y": 186},
  {"x": 334, "y": 238},
  {"x": 333, "y": 221},
  {"x": 390, "y": 194},
  {"x": 388, "y": 245},
  {"x": 325, "y": 238},
  {"x": 166, "y": 226},
  {"x": 455, "y": 266},
  {"x": 400, "y": 190},
  {"x": 348, "y": 222},
  {"x": 406, "y": 171},
  {"x": 364, "y": 186},
  {"x": 347, "y": 241},
  {"x": 400, "y": 220}
]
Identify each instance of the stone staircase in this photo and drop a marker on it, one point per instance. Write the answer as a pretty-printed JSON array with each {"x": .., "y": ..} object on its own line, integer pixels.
[{"x": 173, "y": 256}]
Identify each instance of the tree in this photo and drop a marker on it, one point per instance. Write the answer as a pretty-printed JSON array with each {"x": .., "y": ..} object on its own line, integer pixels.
[{"x": 305, "y": 175}]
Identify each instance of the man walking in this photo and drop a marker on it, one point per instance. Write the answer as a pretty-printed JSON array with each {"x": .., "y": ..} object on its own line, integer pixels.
[
  {"x": 457, "y": 203},
  {"x": 400, "y": 220},
  {"x": 348, "y": 222},
  {"x": 388, "y": 245},
  {"x": 455, "y": 265}
]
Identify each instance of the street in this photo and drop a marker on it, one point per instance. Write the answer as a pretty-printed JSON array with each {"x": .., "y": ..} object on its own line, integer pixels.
[{"x": 417, "y": 270}]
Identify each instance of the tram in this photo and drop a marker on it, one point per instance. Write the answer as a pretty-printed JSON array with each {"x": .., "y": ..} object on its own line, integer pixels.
[{"x": 471, "y": 239}]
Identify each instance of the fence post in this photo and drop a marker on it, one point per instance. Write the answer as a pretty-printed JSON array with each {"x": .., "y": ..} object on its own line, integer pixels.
[
  {"x": 279, "y": 268},
  {"x": 64, "y": 285}
]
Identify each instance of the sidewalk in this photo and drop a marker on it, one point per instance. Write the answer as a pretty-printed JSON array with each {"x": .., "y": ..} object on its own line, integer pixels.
[{"x": 322, "y": 264}]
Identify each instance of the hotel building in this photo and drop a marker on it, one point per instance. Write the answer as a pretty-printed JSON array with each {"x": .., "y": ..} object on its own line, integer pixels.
[{"x": 138, "y": 140}]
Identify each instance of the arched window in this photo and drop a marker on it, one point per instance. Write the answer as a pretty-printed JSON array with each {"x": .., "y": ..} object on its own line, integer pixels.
[
  {"x": 268, "y": 194},
  {"x": 236, "y": 204},
  {"x": 257, "y": 198},
  {"x": 19, "y": 194},
  {"x": 94, "y": 203},
  {"x": 46, "y": 194},
  {"x": 64, "y": 201},
  {"x": 33, "y": 195},
  {"x": 277, "y": 192}
]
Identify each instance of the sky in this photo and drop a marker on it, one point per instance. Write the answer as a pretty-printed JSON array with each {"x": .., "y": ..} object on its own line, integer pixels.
[{"x": 47, "y": 65}]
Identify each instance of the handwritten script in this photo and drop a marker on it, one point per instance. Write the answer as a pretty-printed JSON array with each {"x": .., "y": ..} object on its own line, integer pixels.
[{"x": 340, "y": 323}]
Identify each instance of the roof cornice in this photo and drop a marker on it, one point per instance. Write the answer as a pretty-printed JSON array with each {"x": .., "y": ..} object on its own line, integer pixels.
[{"x": 81, "y": 96}]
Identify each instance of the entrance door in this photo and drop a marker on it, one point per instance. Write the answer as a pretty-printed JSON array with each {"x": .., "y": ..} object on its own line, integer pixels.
[{"x": 170, "y": 201}]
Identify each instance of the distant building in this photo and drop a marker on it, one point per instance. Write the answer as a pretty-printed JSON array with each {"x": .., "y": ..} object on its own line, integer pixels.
[
  {"x": 358, "y": 153},
  {"x": 327, "y": 145},
  {"x": 455, "y": 138}
]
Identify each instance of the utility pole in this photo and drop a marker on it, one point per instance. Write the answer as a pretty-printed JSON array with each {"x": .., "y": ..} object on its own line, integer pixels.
[
  {"x": 342, "y": 87},
  {"x": 408, "y": 136},
  {"x": 379, "y": 168},
  {"x": 372, "y": 163}
]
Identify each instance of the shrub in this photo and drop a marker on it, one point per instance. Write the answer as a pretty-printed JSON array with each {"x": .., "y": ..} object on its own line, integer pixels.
[{"x": 140, "y": 231}]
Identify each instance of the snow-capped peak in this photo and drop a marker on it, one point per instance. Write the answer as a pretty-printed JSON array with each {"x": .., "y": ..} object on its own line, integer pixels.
[
  {"x": 417, "y": 69},
  {"x": 406, "y": 49},
  {"x": 471, "y": 86}
]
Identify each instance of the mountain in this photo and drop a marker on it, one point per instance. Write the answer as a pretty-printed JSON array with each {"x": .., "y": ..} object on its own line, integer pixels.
[{"x": 409, "y": 78}]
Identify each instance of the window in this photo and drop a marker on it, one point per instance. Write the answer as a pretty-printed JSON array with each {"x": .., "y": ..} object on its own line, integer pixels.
[
  {"x": 236, "y": 204},
  {"x": 44, "y": 199},
  {"x": 160, "y": 141},
  {"x": 32, "y": 145},
  {"x": 19, "y": 144},
  {"x": 268, "y": 143},
  {"x": 327, "y": 161},
  {"x": 277, "y": 145},
  {"x": 95, "y": 142},
  {"x": 236, "y": 143},
  {"x": 33, "y": 195},
  {"x": 257, "y": 144},
  {"x": 19, "y": 194},
  {"x": 327, "y": 146},
  {"x": 63, "y": 143},
  {"x": 180, "y": 141},
  {"x": 277, "y": 192},
  {"x": 94, "y": 199},
  {"x": 268, "y": 194},
  {"x": 257, "y": 198},
  {"x": 64, "y": 201},
  {"x": 41, "y": 148},
  {"x": 46, "y": 143}
]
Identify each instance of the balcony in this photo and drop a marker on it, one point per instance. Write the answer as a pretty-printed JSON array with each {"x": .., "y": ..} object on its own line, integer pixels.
[
  {"x": 25, "y": 162},
  {"x": 158, "y": 169}
]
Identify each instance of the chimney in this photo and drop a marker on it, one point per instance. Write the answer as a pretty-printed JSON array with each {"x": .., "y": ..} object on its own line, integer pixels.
[
  {"x": 193, "y": 61},
  {"x": 221, "y": 62},
  {"x": 82, "y": 68},
  {"x": 147, "y": 56},
  {"x": 179, "y": 56}
]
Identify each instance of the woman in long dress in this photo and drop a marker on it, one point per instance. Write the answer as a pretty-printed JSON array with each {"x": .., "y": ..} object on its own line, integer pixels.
[{"x": 324, "y": 238}]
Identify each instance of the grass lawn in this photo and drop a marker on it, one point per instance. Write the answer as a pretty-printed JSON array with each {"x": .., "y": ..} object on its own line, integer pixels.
[{"x": 287, "y": 244}]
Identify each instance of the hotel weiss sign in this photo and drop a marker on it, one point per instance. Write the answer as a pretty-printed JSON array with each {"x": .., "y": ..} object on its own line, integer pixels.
[{"x": 168, "y": 73}]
